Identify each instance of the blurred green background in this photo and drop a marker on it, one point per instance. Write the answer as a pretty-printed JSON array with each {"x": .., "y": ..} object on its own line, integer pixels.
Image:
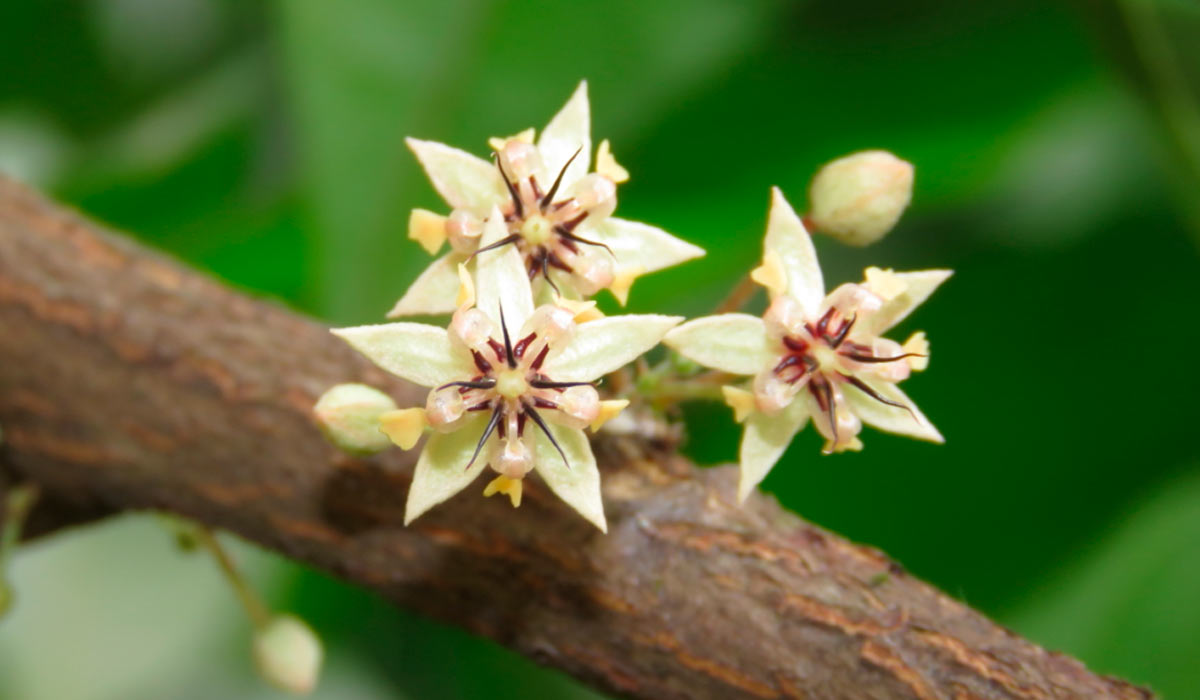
[{"x": 1057, "y": 149}]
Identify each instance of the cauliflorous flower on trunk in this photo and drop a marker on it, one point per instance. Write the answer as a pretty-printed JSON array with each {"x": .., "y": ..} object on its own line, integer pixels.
[
  {"x": 555, "y": 214},
  {"x": 814, "y": 355},
  {"x": 511, "y": 386}
]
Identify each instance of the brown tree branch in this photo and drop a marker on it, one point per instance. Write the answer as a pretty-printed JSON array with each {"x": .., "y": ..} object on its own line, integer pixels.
[{"x": 129, "y": 382}]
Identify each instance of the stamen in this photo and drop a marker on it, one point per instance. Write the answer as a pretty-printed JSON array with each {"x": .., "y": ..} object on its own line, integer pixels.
[
  {"x": 823, "y": 324},
  {"x": 546, "y": 429},
  {"x": 547, "y": 384},
  {"x": 556, "y": 261},
  {"x": 795, "y": 344},
  {"x": 540, "y": 402},
  {"x": 577, "y": 239},
  {"x": 508, "y": 351},
  {"x": 481, "y": 363},
  {"x": 487, "y": 432},
  {"x": 558, "y": 181},
  {"x": 569, "y": 226},
  {"x": 512, "y": 189},
  {"x": 511, "y": 238},
  {"x": 481, "y": 406},
  {"x": 486, "y": 383},
  {"x": 533, "y": 184},
  {"x": 546, "y": 275},
  {"x": 823, "y": 391},
  {"x": 523, "y": 344},
  {"x": 837, "y": 340},
  {"x": 537, "y": 361},
  {"x": 871, "y": 359},
  {"x": 866, "y": 389}
]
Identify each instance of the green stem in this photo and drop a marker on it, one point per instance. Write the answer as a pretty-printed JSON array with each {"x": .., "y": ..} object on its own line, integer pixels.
[
  {"x": 258, "y": 612},
  {"x": 19, "y": 502}
]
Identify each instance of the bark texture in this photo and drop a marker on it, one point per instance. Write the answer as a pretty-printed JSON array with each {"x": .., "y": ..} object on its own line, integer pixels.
[{"x": 129, "y": 382}]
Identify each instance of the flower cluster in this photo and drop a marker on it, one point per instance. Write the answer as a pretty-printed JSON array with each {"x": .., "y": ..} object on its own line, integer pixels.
[{"x": 513, "y": 379}]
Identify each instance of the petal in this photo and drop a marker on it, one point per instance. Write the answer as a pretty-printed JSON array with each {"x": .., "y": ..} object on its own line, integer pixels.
[
  {"x": 890, "y": 418},
  {"x": 577, "y": 482},
  {"x": 420, "y": 353},
  {"x": 765, "y": 440},
  {"x": 634, "y": 243},
  {"x": 442, "y": 469},
  {"x": 787, "y": 238},
  {"x": 434, "y": 292},
  {"x": 462, "y": 179},
  {"x": 568, "y": 132},
  {"x": 500, "y": 278},
  {"x": 735, "y": 343},
  {"x": 918, "y": 286},
  {"x": 606, "y": 345}
]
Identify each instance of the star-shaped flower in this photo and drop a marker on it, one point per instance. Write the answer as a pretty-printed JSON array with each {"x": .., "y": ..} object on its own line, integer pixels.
[
  {"x": 556, "y": 214},
  {"x": 814, "y": 355},
  {"x": 512, "y": 386}
]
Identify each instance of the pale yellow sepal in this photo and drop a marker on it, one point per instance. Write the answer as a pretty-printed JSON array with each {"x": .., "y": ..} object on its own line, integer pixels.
[
  {"x": 584, "y": 310},
  {"x": 428, "y": 229},
  {"x": 623, "y": 281},
  {"x": 497, "y": 142},
  {"x": 608, "y": 410},
  {"x": 918, "y": 345},
  {"x": 608, "y": 166},
  {"x": 404, "y": 427},
  {"x": 509, "y": 487},
  {"x": 466, "y": 288},
  {"x": 740, "y": 400},
  {"x": 886, "y": 283},
  {"x": 771, "y": 274}
]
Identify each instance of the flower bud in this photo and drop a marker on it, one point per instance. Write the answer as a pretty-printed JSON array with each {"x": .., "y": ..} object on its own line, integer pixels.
[
  {"x": 463, "y": 229},
  {"x": 349, "y": 416},
  {"x": 858, "y": 198},
  {"x": 520, "y": 160},
  {"x": 288, "y": 654}
]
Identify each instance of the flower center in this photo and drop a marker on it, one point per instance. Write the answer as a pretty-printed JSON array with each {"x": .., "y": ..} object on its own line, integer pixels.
[
  {"x": 511, "y": 383},
  {"x": 536, "y": 229}
]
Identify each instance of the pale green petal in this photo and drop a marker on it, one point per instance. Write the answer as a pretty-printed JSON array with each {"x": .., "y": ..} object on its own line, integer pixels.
[
  {"x": 442, "y": 469},
  {"x": 920, "y": 285},
  {"x": 420, "y": 353},
  {"x": 765, "y": 440},
  {"x": 788, "y": 239},
  {"x": 890, "y": 418},
  {"x": 464, "y": 181},
  {"x": 735, "y": 343},
  {"x": 500, "y": 278},
  {"x": 578, "y": 481},
  {"x": 434, "y": 292},
  {"x": 638, "y": 245},
  {"x": 606, "y": 345},
  {"x": 569, "y": 131}
]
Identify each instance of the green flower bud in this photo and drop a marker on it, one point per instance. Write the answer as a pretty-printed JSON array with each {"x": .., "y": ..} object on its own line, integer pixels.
[
  {"x": 288, "y": 654},
  {"x": 349, "y": 416},
  {"x": 857, "y": 199}
]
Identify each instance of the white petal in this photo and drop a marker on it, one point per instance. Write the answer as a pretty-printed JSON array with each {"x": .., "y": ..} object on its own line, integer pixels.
[
  {"x": 569, "y": 131},
  {"x": 434, "y": 292},
  {"x": 788, "y": 239},
  {"x": 462, "y": 179},
  {"x": 442, "y": 469},
  {"x": 606, "y": 345},
  {"x": 417, "y": 352},
  {"x": 578, "y": 481},
  {"x": 765, "y": 440},
  {"x": 500, "y": 279},
  {"x": 734, "y": 343},
  {"x": 648, "y": 247},
  {"x": 918, "y": 286},
  {"x": 890, "y": 418}
]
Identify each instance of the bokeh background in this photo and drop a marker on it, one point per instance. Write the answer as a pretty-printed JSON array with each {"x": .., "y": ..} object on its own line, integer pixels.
[{"x": 1057, "y": 149}]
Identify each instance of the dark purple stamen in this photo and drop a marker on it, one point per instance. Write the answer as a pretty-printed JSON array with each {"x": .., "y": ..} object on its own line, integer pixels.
[
  {"x": 512, "y": 190},
  {"x": 866, "y": 389},
  {"x": 508, "y": 351},
  {"x": 546, "y": 429},
  {"x": 558, "y": 181},
  {"x": 487, "y": 432},
  {"x": 871, "y": 359},
  {"x": 486, "y": 383}
]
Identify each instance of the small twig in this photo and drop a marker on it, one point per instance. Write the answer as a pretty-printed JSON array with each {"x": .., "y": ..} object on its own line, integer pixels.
[
  {"x": 738, "y": 297},
  {"x": 256, "y": 609}
]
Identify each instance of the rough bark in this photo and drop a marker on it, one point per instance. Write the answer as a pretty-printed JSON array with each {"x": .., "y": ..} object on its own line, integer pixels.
[{"x": 128, "y": 382}]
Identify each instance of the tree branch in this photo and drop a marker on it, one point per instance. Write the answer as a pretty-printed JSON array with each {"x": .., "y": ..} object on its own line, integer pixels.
[{"x": 128, "y": 382}]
